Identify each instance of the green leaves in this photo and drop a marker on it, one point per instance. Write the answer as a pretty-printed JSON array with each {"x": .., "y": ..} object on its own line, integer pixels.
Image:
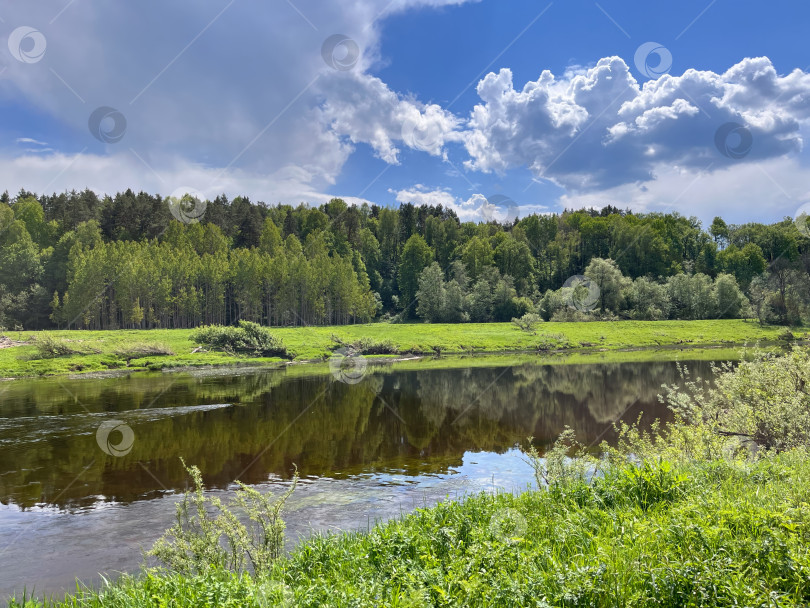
[{"x": 247, "y": 339}]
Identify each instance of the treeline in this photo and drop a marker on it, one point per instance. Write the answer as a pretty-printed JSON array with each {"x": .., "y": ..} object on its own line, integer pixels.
[{"x": 83, "y": 261}]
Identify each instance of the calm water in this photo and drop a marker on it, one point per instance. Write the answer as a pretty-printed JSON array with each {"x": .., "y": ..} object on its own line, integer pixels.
[{"x": 368, "y": 451}]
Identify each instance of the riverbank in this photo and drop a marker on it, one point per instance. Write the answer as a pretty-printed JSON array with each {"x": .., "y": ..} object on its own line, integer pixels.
[
  {"x": 709, "y": 534},
  {"x": 121, "y": 350}
]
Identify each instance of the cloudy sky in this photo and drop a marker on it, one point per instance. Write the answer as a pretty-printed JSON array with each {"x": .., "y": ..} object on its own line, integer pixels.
[{"x": 697, "y": 106}]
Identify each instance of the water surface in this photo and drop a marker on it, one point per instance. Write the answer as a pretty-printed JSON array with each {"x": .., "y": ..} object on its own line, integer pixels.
[{"x": 398, "y": 439}]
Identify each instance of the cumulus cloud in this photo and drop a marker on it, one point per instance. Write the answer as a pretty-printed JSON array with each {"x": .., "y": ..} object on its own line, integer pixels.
[
  {"x": 766, "y": 191},
  {"x": 600, "y": 129},
  {"x": 363, "y": 109},
  {"x": 238, "y": 98}
]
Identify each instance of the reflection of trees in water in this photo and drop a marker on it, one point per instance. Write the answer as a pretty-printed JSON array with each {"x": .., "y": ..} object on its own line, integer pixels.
[{"x": 413, "y": 421}]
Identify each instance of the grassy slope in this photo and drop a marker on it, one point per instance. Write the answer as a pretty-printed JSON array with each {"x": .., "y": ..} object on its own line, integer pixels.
[
  {"x": 315, "y": 342},
  {"x": 737, "y": 535}
]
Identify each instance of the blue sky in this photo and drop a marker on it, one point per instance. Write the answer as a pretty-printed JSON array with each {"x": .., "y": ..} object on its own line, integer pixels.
[{"x": 440, "y": 101}]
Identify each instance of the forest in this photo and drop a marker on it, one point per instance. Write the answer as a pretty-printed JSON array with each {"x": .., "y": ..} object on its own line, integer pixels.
[{"x": 78, "y": 260}]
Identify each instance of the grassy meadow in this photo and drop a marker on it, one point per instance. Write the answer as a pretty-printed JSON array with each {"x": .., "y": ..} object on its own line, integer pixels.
[{"x": 120, "y": 349}]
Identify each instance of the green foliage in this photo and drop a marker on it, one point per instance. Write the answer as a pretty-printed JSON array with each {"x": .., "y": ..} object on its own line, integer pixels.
[
  {"x": 143, "y": 349},
  {"x": 712, "y": 534},
  {"x": 564, "y": 467},
  {"x": 527, "y": 322},
  {"x": 730, "y": 301},
  {"x": 608, "y": 278},
  {"x": 762, "y": 403},
  {"x": 432, "y": 294},
  {"x": 647, "y": 299},
  {"x": 48, "y": 347},
  {"x": 366, "y": 346},
  {"x": 646, "y": 485},
  {"x": 416, "y": 256},
  {"x": 247, "y": 339},
  {"x": 208, "y": 534},
  {"x": 123, "y": 262}
]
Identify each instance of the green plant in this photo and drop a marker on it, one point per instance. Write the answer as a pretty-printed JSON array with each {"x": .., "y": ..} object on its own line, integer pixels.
[
  {"x": 527, "y": 322},
  {"x": 649, "y": 483},
  {"x": 143, "y": 349},
  {"x": 550, "y": 342},
  {"x": 564, "y": 465},
  {"x": 247, "y": 339},
  {"x": 208, "y": 534},
  {"x": 49, "y": 347},
  {"x": 366, "y": 346},
  {"x": 761, "y": 403}
]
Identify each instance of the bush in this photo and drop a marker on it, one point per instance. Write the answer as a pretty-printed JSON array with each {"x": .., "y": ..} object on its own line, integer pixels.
[
  {"x": 366, "y": 346},
  {"x": 208, "y": 535},
  {"x": 572, "y": 315},
  {"x": 145, "y": 349},
  {"x": 763, "y": 403},
  {"x": 527, "y": 322},
  {"x": 50, "y": 347},
  {"x": 249, "y": 339},
  {"x": 551, "y": 342}
]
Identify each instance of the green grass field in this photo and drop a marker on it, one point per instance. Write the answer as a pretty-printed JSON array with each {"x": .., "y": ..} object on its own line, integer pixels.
[{"x": 313, "y": 343}]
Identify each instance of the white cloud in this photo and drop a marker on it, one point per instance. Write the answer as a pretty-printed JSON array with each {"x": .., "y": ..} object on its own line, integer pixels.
[
  {"x": 235, "y": 86},
  {"x": 477, "y": 208},
  {"x": 29, "y": 140},
  {"x": 114, "y": 173},
  {"x": 599, "y": 129},
  {"x": 765, "y": 191},
  {"x": 364, "y": 109},
  {"x": 238, "y": 98}
]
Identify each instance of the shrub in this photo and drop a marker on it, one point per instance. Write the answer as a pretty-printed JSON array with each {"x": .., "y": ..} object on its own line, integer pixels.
[
  {"x": 366, "y": 346},
  {"x": 555, "y": 469},
  {"x": 527, "y": 322},
  {"x": 764, "y": 403},
  {"x": 571, "y": 315},
  {"x": 249, "y": 339},
  {"x": 208, "y": 535},
  {"x": 551, "y": 342},
  {"x": 50, "y": 347},
  {"x": 144, "y": 349}
]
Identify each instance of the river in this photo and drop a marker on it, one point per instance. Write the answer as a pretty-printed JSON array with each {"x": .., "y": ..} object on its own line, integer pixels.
[{"x": 90, "y": 469}]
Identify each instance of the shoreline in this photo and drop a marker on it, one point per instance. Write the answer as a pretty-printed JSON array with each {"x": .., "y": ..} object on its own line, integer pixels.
[
  {"x": 555, "y": 357},
  {"x": 313, "y": 346}
]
